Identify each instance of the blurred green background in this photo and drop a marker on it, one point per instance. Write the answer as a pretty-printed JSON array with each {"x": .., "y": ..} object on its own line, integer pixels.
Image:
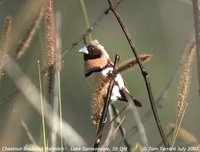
[{"x": 158, "y": 27}]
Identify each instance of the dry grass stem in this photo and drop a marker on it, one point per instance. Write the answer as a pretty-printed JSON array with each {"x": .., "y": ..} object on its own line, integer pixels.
[
  {"x": 185, "y": 80},
  {"x": 25, "y": 42},
  {"x": 5, "y": 41},
  {"x": 185, "y": 135}
]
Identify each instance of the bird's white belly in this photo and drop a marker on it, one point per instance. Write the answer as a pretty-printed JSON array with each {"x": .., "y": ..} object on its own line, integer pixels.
[{"x": 96, "y": 79}]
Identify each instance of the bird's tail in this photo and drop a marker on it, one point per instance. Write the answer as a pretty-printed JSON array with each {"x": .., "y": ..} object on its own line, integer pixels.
[{"x": 125, "y": 95}]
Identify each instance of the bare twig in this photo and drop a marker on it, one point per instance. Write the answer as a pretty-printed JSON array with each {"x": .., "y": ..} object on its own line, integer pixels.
[
  {"x": 106, "y": 105},
  {"x": 160, "y": 100},
  {"x": 106, "y": 126},
  {"x": 144, "y": 72},
  {"x": 196, "y": 12},
  {"x": 90, "y": 29}
]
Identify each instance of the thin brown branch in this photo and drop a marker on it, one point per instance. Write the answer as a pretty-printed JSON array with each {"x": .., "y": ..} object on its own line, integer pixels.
[
  {"x": 160, "y": 100},
  {"x": 112, "y": 121},
  {"x": 106, "y": 105},
  {"x": 143, "y": 71},
  {"x": 90, "y": 29}
]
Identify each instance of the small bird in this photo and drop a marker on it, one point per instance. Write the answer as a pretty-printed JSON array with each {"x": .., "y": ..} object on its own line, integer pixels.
[{"x": 97, "y": 66}]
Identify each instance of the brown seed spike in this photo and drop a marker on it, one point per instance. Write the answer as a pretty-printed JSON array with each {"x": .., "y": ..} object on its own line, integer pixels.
[
  {"x": 51, "y": 31},
  {"x": 25, "y": 42},
  {"x": 98, "y": 101},
  {"x": 133, "y": 62},
  {"x": 185, "y": 80}
]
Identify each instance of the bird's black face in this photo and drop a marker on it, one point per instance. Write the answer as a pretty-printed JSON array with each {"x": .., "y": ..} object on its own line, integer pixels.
[{"x": 93, "y": 53}]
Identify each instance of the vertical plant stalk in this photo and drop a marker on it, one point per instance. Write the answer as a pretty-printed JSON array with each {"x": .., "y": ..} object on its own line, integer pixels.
[
  {"x": 51, "y": 38},
  {"x": 143, "y": 71},
  {"x": 58, "y": 69},
  {"x": 178, "y": 124},
  {"x": 86, "y": 18},
  {"x": 5, "y": 41},
  {"x": 105, "y": 108},
  {"x": 42, "y": 109},
  {"x": 196, "y": 12},
  {"x": 188, "y": 137},
  {"x": 25, "y": 42}
]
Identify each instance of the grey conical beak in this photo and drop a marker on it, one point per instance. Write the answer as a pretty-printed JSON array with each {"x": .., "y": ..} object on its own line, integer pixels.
[{"x": 84, "y": 50}]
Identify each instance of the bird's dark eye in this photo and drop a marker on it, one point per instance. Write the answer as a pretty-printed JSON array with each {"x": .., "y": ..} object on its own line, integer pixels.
[{"x": 91, "y": 48}]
